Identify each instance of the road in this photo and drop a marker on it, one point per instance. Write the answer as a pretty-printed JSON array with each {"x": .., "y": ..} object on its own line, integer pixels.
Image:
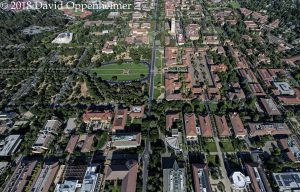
[
  {"x": 147, "y": 150},
  {"x": 225, "y": 180}
]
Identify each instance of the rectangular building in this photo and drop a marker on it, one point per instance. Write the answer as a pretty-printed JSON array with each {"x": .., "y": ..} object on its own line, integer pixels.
[
  {"x": 262, "y": 129},
  {"x": 288, "y": 181},
  {"x": 259, "y": 181},
  {"x": 126, "y": 140},
  {"x": 45, "y": 177},
  {"x": 201, "y": 178},
  {"x": 10, "y": 144},
  {"x": 222, "y": 126},
  {"x": 237, "y": 125},
  {"x": 20, "y": 178},
  {"x": 205, "y": 126},
  {"x": 119, "y": 120},
  {"x": 190, "y": 127}
]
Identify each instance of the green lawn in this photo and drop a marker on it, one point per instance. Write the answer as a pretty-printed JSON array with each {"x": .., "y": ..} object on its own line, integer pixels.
[
  {"x": 235, "y": 5},
  {"x": 158, "y": 78},
  {"x": 157, "y": 92},
  {"x": 137, "y": 121},
  {"x": 123, "y": 72},
  {"x": 101, "y": 140},
  {"x": 226, "y": 146},
  {"x": 213, "y": 160},
  {"x": 210, "y": 146}
]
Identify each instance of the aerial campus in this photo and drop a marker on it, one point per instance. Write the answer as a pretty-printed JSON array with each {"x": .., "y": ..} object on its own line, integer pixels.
[{"x": 150, "y": 95}]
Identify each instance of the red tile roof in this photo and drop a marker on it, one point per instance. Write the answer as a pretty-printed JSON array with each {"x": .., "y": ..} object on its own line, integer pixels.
[
  {"x": 237, "y": 125},
  {"x": 270, "y": 106},
  {"x": 205, "y": 178},
  {"x": 126, "y": 172},
  {"x": 119, "y": 120},
  {"x": 205, "y": 126},
  {"x": 104, "y": 116},
  {"x": 256, "y": 89},
  {"x": 222, "y": 126},
  {"x": 190, "y": 125},
  {"x": 72, "y": 143},
  {"x": 291, "y": 100},
  {"x": 88, "y": 144},
  {"x": 170, "y": 119},
  {"x": 261, "y": 129}
]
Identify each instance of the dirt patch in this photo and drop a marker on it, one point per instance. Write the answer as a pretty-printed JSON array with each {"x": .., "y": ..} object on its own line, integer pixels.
[
  {"x": 68, "y": 60},
  {"x": 84, "y": 89}
]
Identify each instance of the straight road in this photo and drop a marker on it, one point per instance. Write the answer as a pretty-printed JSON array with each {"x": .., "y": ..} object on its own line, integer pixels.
[{"x": 146, "y": 154}]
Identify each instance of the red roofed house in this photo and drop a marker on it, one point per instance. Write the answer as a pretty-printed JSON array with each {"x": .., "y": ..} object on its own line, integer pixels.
[
  {"x": 237, "y": 125},
  {"x": 205, "y": 126},
  {"x": 270, "y": 106},
  {"x": 261, "y": 129},
  {"x": 72, "y": 143},
  {"x": 201, "y": 178},
  {"x": 190, "y": 127},
  {"x": 119, "y": 120},
  {"x": 222, "y": 126},
  {"x": 291, "y": 99},
  {"x": 137, "y": 111},
  {"x": 127, "y": 173},
  {"x": 291, "y": 149},
  {"x": 88, "y": 144},
  {"x": 104, "y": 117},
  {"x": 258, "y": 178},
  {"x": 170, "y": 119},
  {"x": 256, "y": 89}
]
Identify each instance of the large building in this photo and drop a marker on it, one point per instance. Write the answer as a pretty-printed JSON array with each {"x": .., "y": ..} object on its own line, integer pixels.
[
  {"x": 90, "y": 180},
  {"x": 119, "y": 120},
  {"x": 68, "y": 186},
  {"x": 205, "y": 126},
  {"x": 9, "y": 145},
  {"x": 237, "y": 125},
  {"x": 190, "y": 127},
  {"x": 239, "y": 181},
  {"x": 127, "y": 173},
  {"x": 174, "y": 179},
  {"x": 288, "y": 181},
  {"x": 46, "y": 136},
  {"x": 270, "y": 106},
  {"x": 126, "y": 140},
  {"x": 103, "y": 116},
  {"x": 71, "y": 126},
  {"x": 201, "y": 178},
  {"x": 63, "y": 38},
  {"x": 45, "y": 177},
  {"x": 259, "y": 181},
  {"x": 25, "y": 169},
  {"x": 261, "y": 129},
  {"x": 173, "y": 26},
  {"x": 222, "y": 126}
]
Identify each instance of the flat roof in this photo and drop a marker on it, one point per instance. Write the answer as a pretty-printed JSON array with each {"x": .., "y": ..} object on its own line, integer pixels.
[
  {"x": 287, "y": 180},
  {"x": 11, "y": 144}
]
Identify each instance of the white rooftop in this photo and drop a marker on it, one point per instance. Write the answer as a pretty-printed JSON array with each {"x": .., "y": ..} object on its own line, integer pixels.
[
  {"x": 284, "y": 88},
  {"x": 240, "y": 181},
  {"x": 90, "y": 179},
  {"x": 63, "y": 38},
  {"x": 10, "y": 145},
  {"x": 67, "y": 186}
]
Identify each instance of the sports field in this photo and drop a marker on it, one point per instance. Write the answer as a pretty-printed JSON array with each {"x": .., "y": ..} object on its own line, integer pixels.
[{"x": 123, "y": 72}]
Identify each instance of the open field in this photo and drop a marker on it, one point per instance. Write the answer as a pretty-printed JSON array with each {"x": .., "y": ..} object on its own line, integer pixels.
[
  {"x": 226, "y": 146},
  {"x": 123, "y": 72},
  {"x": 210, "y": 146}
]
